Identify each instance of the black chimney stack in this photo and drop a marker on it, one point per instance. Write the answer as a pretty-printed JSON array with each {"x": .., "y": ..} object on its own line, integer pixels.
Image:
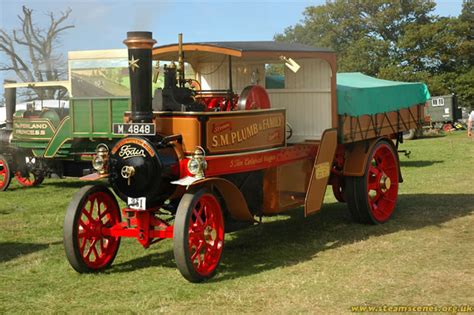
[
  {"x": 10, "y": 104},
  {"x": 140, "y": 46}
]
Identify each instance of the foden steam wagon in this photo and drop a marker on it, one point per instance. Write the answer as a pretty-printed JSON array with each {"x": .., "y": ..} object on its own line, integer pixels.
[{"x": 257, "y": 130}]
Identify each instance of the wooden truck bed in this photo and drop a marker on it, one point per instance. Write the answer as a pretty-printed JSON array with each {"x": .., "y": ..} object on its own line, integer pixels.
[
  {"x": 356, "y": 128},
  {"x": 369, "y": 107}
]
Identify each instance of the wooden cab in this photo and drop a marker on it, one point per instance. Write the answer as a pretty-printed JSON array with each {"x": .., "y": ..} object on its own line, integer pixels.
[
  {"x": 308, "y": 95},
  {"x": 300, "y": 82}
]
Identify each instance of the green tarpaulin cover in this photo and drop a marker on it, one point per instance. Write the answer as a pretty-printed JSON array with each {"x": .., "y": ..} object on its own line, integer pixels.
[{"x": 358, "y": 94}]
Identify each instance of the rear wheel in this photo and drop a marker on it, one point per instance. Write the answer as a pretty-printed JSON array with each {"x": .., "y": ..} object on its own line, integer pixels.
[
  {"x": 87, "y": 248},
  {"x": 5, "y": 174},
  {"x": 372, "y": 198},
  {"x": 30, "y": 180},
  {"x": 338, "y": 188},
  {"x": 198, "y": 238},
  {"x": 447, "y": 127},
  {"x": 409, "y": 134}
]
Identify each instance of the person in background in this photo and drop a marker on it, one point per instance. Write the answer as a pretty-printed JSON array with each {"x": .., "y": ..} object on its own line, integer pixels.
[{"x": 470, "y": 120}]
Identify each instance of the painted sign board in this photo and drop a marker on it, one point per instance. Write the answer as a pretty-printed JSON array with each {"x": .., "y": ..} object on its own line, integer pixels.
[{"x": 225, "y": 132}]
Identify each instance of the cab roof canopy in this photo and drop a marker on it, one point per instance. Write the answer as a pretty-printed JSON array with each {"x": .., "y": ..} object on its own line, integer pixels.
[{"x": 244, "y": 50}]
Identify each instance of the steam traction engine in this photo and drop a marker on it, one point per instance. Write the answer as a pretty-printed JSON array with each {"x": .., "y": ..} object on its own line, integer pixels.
[
  {"x": 60, "y": 136},
  {"x": 208, "y": 161}
]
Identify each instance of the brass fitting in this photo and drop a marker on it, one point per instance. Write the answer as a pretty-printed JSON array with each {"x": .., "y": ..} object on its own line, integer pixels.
[{"x": 127, "y": 172}]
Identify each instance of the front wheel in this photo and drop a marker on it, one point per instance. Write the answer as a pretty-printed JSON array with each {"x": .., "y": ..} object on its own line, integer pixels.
[
  {"x": 198, "y": 237},
  {"x": 30, "y": 180},
  {"x": 5, "y": 174},
  {"x": 87, "y": 248},
  {"x": 372, "y": 198}
]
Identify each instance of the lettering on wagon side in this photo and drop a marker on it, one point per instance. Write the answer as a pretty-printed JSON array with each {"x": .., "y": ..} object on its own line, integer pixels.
[{"x": 261, "y": 131}]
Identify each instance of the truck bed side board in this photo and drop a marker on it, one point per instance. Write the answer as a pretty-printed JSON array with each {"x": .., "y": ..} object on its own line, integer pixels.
[{"x": 357, "y": 128}]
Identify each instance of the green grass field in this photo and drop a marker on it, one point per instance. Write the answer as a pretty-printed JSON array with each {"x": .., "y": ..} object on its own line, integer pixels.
[{"x": 323, "y": 264}]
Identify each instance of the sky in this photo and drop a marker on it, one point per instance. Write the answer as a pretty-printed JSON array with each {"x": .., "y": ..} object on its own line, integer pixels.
[{"x": 102, "y": 24}]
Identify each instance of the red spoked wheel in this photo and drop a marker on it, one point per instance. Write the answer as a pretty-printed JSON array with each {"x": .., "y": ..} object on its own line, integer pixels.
[
  {"x": 372, "y": 198},
  {"x": 5, "y": 174},
  {"x": 198, "y": 237},
  {"x": 87, "y": 248},
  {"x": 447, "y": 127},
  {"x": 30, "y": 180}
]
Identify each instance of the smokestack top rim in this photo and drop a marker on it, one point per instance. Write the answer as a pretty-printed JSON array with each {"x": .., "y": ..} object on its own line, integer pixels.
[
  {"x": 139, "y": 40},
  {"x": 140, "y": 34}
]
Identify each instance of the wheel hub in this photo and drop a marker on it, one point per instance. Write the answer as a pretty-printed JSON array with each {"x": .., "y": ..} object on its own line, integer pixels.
[
  {"x": 95, "y": 230},
  {"x": 210, "y": 234},
  {"x": 385, "y": 182}
]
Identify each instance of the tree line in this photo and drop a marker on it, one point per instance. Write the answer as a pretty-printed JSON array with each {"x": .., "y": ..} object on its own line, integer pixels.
[
  {"x": 395, "y": 40},
  {"x": 30, "y": 51}
]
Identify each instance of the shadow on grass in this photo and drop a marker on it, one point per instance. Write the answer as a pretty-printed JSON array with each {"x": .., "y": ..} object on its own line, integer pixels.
[
  {"x": 56, "y": 183},
  {"x": 431, "y": 136},
  {"x": 7, "y": 211},
  {"x": 71, "y": 184},
  {"x": 12, "y": 250},
  {"x": 19, "y": 188},
  {"x": 419, "y": 163},
  {"x": 294, "y": 239},
  {"x": 165, "y": 259}
]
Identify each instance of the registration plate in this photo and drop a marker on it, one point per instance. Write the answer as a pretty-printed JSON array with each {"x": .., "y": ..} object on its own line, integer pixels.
[
  {"x": 137, "y": 129},
  {"x": 137, "y": 203}
]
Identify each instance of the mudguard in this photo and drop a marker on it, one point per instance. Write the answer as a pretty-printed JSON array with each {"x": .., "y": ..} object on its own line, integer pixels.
[
  {"x": 357, "y": 155},
  {"x": 321, "y": 172},
  {"x": 235, "y": 201}
]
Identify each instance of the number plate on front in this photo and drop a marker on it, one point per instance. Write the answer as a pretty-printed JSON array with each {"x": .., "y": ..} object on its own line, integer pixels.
[
  {"x": 137, "y": 129},
  {"x": 137, "y": 203}
]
